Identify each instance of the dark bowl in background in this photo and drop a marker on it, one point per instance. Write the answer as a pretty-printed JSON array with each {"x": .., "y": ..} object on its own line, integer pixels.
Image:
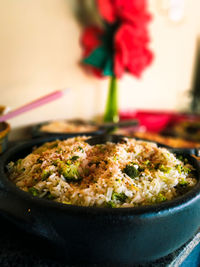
[
  {"x": 36, "y": 131},
  {"x": 91, "y": 235}
]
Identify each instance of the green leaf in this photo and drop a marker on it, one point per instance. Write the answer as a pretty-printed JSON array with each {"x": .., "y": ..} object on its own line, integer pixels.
[
  {"x": 101, "y": 58},
  {"x": 108, "y": 67},
  {"x": 97, "y": 58}
]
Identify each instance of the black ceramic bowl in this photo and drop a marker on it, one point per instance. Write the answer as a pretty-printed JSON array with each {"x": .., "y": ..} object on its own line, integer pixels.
[{"x": 102, "y": 235}]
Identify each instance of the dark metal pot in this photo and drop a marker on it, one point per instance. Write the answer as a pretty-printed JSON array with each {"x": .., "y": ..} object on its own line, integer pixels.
[{"x": 102, "y": 235}]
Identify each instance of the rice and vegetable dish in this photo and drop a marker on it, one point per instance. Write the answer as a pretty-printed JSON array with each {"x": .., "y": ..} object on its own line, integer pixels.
[{"x": 129, "y": 174}]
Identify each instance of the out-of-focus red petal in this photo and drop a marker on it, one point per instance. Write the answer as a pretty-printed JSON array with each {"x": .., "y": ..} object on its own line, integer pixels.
[
  {"x": 118, "y": 65},
  {"x": 131, "y": 53},
  {"x": 97, "y": 72},
  {"x": 92, "y": 70},
  {"x": 132, "y": 11},
  {"x": 107, "y": 10},
  {"x": 139, "y": 60},
  {"x": 90, "y": 39},
  {"x": 121, "y": 41}
]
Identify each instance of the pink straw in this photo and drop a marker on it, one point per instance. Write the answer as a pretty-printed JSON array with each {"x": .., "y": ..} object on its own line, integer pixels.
[{"x": 34, "y": 104}]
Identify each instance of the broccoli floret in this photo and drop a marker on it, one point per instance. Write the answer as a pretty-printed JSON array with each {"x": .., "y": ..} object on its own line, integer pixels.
[
  {"x": 110, "y": 204},
  {"x": 70, "y": 172},
  {"x": 33, "y": 191},
  {"x": 131, "y": 171},
  {"x": 119, "y": 196}
]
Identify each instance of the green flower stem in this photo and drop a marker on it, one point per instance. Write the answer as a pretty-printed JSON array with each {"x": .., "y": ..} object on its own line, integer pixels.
[{"x": 111, "y": 111}]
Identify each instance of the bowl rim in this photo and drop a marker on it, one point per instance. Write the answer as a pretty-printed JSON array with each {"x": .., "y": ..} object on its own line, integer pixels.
[{"x": 163, "y": 208}]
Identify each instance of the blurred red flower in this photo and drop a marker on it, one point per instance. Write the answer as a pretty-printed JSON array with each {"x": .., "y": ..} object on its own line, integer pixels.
[
  {"x": 123, "y": 44},
  {"x": 131, "y": 11}
]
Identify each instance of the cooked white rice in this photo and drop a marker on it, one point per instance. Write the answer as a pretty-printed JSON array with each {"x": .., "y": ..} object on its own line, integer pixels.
[{"x": 128, "y": 174}]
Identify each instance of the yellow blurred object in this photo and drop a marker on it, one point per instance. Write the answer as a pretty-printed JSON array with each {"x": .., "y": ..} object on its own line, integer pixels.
[
  {"x": 4, "y": 131},
  {"x": 2, "y": 109}
]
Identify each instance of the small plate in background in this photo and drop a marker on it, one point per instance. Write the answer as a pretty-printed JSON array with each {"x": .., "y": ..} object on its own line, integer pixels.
[{"x": 65, "y": 127}]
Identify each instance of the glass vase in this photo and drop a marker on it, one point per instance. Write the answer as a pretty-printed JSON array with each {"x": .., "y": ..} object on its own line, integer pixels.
[{"x": 111, "y": 112}]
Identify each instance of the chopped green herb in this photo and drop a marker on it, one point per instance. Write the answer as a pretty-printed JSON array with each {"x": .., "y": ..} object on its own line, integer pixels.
[
  {"x": 74, "y": 158},
  {"x": 19, "y": 161},
  {"x": 183, "y": 182},
  {"x": 160, "y": 198},
  {"x": 157, "y": 165},
  {"x": 180, "y": 157},
  {"x": 115, "y": 158},
  {"x": 164, "y": 168},
  {"x": 54, "y": 144},
  {"x": 68, "y": 162},
  {"x": 81, "y": 149},
  {"x": 33, "y": 191},
  {"x": 186, "y": 170},
  {"x": 45, "y": 174},
  {"x": 49, "y": 196},
  {"x": 110, "y": 204},
  {"x": 57, "y": 162},
  {"x": 131, "y": 171},
  {"x": 179, "y": 168},
  {"x": 147, "y": 162},
  {"x": 59, "y": 150}
]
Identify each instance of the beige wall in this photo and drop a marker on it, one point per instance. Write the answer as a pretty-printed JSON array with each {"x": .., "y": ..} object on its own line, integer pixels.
[{"x": 39, "y": 52}]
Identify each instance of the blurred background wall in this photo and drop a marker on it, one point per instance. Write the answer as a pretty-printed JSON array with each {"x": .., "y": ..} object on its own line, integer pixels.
[{"x": 40, "y": 52}]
